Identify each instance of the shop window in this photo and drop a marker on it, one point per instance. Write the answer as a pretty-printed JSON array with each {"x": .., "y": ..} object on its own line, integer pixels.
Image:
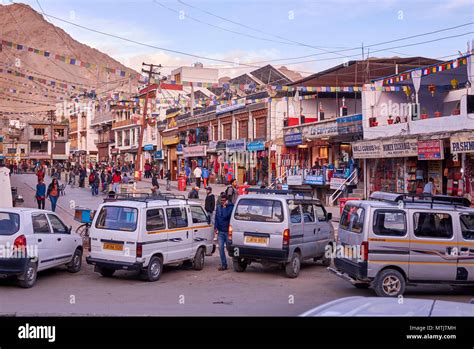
[
  {"x": 243, "y": 129},
  {"x": 467, "y": 226},
  {"x": 59, "y": 132},
  {"x": 390, "y": 223},
  {"x": 352, "y": 219},
  {"x": 227, "y": 131},
  {"x": 215, "y": 131},
  {"x": 433, "y": 225},
  {"x": 38, "y": 131},
  {"x": 261, "y": 128}
]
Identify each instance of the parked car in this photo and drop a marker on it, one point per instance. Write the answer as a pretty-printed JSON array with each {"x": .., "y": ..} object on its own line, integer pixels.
[
  {"x": 279, "y": 227},
  {"x": 374, "y": 306},
  {"x": 33, "y": 240},
  {"x": 393, "y": 240},
  {"x": 144, "y": 234}
]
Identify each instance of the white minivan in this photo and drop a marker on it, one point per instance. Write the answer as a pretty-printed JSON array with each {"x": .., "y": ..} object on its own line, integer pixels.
[{"x": 145, "y": 234}]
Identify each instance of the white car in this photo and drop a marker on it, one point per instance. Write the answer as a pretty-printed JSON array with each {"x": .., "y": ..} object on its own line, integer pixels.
[
  {"x": 33, "y": 240},
  {"x": 375, "y": 306}
]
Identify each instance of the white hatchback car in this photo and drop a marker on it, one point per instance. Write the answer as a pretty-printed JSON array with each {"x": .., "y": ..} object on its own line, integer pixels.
[{"x": 33, "y": 240}]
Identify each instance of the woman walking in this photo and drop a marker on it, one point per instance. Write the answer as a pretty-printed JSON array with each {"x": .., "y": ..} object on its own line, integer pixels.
[
  {"x": 40, "y": 194},
  {"x": 53, "y": 193}
]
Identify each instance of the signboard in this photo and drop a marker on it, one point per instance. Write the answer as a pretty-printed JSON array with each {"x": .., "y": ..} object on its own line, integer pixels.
[
  {"x": 223, "y": 108},
  {"x": 179, "y": 148},
  {"x": 159, "y": 155},
  {"x": 367, "y": 150},
  {"x": 212, "y": 147},
  {"x": 327, "y": 129},
  {"x": 293, "y": 139},
  {"x": 148, "y": 147},
  {"x": 462, "y": 143},
  {"x": 294, "y": 180},
  {"x": 349, "y": 124},
  {"x": 336, "y": 182},
  {"x": 314, "y": 180},
  {"x": 396, "y": 148},
  {"x": 237, "y": 145},
  {"x": 256, "y": 146},
  {"x": 221, "y": 145},
  {"x": 194, "y": 151},
  {"x": 170, "y": 140},
  {"x": 430, "y": 150}
]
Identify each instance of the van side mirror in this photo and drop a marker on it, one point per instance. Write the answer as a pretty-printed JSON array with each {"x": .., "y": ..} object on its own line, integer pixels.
[
  {"x": 69, "y": 229},
  {"x": 329, "y": 216}
]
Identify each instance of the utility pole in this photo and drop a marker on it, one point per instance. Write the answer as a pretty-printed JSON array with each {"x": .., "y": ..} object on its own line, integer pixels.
[
  {"x": 52, "y": 119},
  {"x": 151, "y": 74}
]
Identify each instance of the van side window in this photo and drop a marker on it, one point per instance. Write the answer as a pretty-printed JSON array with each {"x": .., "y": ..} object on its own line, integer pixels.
[
  {"x": 295, "y": 214},
  {"x": 308, "y": 213},
  {"x": 198, "y": 214},
  {"x": 155, "y": 219},
  {"x": 433, "y": 225},
  {"x": 467, "y": 226},
  {"x": 177, "y": 217},
  {"x": 390, "y": 223},
  {"x": 320, "y": 213},
  {"x": 352, "y": 219}
]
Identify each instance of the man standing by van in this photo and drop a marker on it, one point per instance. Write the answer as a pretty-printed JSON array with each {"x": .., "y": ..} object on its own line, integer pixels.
[
  {"x": 429, "y": 187},
  {"x": 221, "y": 227},
  {"x": 232, "y": 191}
]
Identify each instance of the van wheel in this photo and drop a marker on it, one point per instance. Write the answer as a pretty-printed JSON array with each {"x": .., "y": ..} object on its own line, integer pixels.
[
  {"x": 292, "y": 268},
  {"x": 75, "y": 265},
  {"x": 28, "y": 278},
  {"x": 239, "y": 265},
  {"x": 106, "y": 272},
  {"x": 155, "y": 268},
  {"x": 198, "y": 261},
  {"x": 389, "y": 283}
]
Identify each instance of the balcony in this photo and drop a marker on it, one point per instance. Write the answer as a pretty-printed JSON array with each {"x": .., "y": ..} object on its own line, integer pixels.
[{"x": 122, "y": 123}]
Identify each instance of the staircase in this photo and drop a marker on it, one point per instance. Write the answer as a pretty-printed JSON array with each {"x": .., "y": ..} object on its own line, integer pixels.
[{"x": 357, "y": 191}]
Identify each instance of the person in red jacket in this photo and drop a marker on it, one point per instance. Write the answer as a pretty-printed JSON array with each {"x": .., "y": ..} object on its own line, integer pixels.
[{"x": 116, "y": 180}]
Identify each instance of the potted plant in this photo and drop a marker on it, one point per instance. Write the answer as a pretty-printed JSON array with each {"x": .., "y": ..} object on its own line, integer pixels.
[
  {"x": 437, "y": 114},
  {"x": 390, "y": 120},
  {"x": 457, "y": 110},
  {"x": 424, "y": 113}
]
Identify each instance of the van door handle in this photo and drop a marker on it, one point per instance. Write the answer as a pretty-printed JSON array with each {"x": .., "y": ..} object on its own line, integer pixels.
[
  {"x": 464, "y": 249},
  {"x": 449, "y": 250},
  {"x": 187, "y": 234},
  {"x": 195, "y": 230}
]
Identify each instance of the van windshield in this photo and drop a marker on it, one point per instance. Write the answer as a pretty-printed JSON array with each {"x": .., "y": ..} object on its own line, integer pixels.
[
  {"x": 9, "y": 223},
  {"x": 259, "y": 210},
  {"x": 117, "y": 218}
]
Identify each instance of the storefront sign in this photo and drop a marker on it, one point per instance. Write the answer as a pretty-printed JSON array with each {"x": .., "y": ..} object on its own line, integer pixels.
[
  {"x": 148, "y": 147},
  {"x": 395, "y": 148},
  {"x": 349, "y": 124},
  {"x": 256, "y": 146},
  {"x": 195, "y": 151},
  {"x": 314, "y": 180},
  {"x": 223, "y": 108},
  {"x": 293, "y": 139},
  {"x": 170, "y": 140},
  {"x": 462, "y": 143},
  {"x": 294, "y": 180},
  {"x": 212, "y": 147},
  {"x": 237, "y": 145},
  {"x": 159, "y": 154},
  {"x": 367, "y": 150},
  {"x": 221, "y": 145},
  {"x": 336, "y": 182},
  {"x": 319, "y": 131},
  {"x": 430, "y": 150}
]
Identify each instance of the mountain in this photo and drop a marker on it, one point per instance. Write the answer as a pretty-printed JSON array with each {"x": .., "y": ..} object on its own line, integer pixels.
[{"x": 21, "y": 24}]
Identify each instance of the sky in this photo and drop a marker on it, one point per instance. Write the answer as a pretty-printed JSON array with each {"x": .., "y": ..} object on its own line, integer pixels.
[{"x": 258, "y": 31}]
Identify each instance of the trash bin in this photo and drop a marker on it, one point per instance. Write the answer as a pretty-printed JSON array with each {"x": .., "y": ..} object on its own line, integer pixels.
[
  {"x": 137, "y": 175},
  {"x": 242, "y": 189},
  {"x": 342, "y": 203},
  {"x": 182, "y": 183}
]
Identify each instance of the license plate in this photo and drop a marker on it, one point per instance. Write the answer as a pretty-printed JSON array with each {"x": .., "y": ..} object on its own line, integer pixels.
[
  {"x": 256, "y": 240},
  {"x": 113, "y": 247}
]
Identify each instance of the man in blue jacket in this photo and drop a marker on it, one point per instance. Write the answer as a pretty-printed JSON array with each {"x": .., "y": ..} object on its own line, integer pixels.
[{"x": 221, "y": 227}]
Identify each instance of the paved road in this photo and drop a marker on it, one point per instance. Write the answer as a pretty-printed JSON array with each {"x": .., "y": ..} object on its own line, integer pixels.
[{"x": 180, "y": 291}]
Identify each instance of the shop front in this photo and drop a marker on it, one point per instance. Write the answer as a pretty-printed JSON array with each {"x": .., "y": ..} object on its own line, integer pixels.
[
  {"x": 170, "y": 143},
  {"x": 258, "y": 162},
  {"x": 236, "y": 160},
  {"x": 193, "y": 156},
  {"x": 462, "y": 148}
]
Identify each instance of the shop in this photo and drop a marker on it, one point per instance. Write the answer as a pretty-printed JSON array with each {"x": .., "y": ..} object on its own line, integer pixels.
[
  {"x": 170, "y": 141},
  {"x": 462, "y": 148},
  {"x": 235, "y": 164},
  {"x": 194, "y": 156},
  {"x": 258, "y": 162}
]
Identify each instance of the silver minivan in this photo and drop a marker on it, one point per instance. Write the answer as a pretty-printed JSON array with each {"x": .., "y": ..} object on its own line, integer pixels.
[
  {"x": 394, "y": 240},
  {"x": 279, "y": 227}
]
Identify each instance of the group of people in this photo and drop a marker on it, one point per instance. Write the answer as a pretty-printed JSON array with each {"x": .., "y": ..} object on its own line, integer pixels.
[{"x": 52, "y": 191}]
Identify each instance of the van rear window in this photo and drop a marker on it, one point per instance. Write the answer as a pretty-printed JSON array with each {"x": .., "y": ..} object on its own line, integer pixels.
[
  {"x": 259, "y": 210},
  {"x": 9, "y": 223},
  {"x": 352, "y": 219},
  {"x": 117, "y": 218}
]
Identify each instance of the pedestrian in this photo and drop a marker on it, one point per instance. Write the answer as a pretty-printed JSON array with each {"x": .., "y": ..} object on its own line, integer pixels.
[
  {"x": 82, "y": 177},
  {"x": 40, "y": 174},
  {"x": 91, "y": 182},
  {"x": 198, "y": 175},
  {"x": 205, "y": 176},
  {"x": 53, "y": 193},
  {"x": 103, "y": 180},
  {"x": 96, "y": 183},
  {"x": 116, "y": 180},
  {"x": 168, "y": 180},
  {"x": 125, "y": 179},
  {"x": 194, "y": 193},
  {"x": 187, "y": 172},
  {"x": 429, "y": 188},
  {"x": 221, "y": 227},
  {"x": 210, "y": 203},
  {"x": 40, "y": 194},
  {"x": 109, "y": 180},
  {"x": 232, "y": 191},
  {"x": 154, "y": 181}
]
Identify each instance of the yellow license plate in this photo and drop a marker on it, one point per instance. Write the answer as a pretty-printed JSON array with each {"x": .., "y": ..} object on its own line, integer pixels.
[
  {"x": 113, "y": 247},
  {"x": 256, "y": 240}
]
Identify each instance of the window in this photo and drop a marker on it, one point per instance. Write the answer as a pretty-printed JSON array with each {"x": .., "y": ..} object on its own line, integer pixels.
[
  {"x": 433, "y": 225},
  {"x": 155, "y": 219},
  {"x": 320, "y": 213},
  {"x": 352, "y": 219},
  {"x": 59, "y": 132},
  {"x": 295, "y": 214},
  {"x": 9, "y": 223},
  {"x": 40, "y": 224},
  {"x": 198, "y": 214},
  {"x": 308, "y": 213},
  {"x": 243, "y": 129},
  {"x": 261, "y": 128},
  {"x": 227, "y": 131},
  {"x": 22, "y": 150},
  {"x": 58, "y": 225},
  {"x": 11, "y": 150},
  {"x": 390, "y": 222},
  {"x": 117, "y": 218},
  {"x": 38, "y": 131},
  {"x": 177, "y": 217},
  {"x": 259, "y": 210},
  {"x": 467, "y": 226}
]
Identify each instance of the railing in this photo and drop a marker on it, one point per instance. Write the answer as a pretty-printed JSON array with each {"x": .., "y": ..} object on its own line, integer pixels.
[{"x": 338, "y": 192}]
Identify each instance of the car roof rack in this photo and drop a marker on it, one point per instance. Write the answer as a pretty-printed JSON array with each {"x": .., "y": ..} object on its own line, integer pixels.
[
  {"x": 421, "y": 199},
  {"x": 308, "y": 193},
  {"x": 145, "y": 197}
]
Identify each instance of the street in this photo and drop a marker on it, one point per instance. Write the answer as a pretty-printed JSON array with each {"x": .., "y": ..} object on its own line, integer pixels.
[{"x": 181, "y": 291}]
